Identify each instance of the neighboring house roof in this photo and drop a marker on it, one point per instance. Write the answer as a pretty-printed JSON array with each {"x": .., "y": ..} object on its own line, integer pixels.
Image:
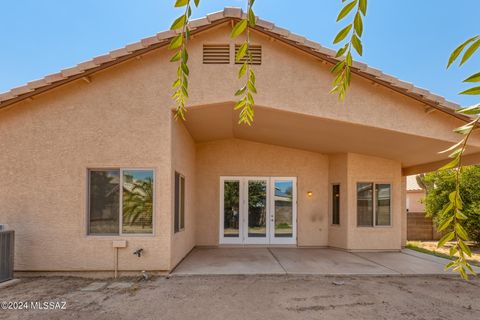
[
  {"x": 412, "y": 184},
  {"x": 84, "y": 69}
]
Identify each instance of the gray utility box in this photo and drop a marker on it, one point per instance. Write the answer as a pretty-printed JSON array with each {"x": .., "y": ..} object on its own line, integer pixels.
[{"x": 7, "y": 245}]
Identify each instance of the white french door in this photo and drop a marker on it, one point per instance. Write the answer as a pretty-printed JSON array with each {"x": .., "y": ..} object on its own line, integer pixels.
[{"x": 258, "y": 210}]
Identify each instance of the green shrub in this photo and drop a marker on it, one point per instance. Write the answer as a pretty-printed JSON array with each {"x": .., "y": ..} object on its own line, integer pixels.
[{"x": 439, "y": 185}]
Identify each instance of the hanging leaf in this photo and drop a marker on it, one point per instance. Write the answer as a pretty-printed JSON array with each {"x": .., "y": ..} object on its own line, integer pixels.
[
  {"x": 472, "y": 91},
  {"x": 242, "y": 70},
  {"x": 475, "y": 109},
  {"x": 251, "y": 87},
  {"x": 197, "y": 2},
  {"x": 251, "y": 18},
  {"x": 464, "y": 247},
  {"x": 346, "y": 10},
  {"x": 181, "y": 3},
  {"x": 471, "y": 50},
  {"x": 179, "y": 23},
  {"x": 241, "y": 51},
  {"x": 445, "y": 224},
  {"x": 451, "y": 164},
  {"x": 461, "y": 231},
  {"x": 448, "y": 237},
  {"x": 473, "y": 78},
  {"x": 240, "y": 104},
  {"x": 458, "y": 50},
  {"x": 342, "y": 34},
  {"x": 363, "y": 6},
  {"x": 241, "y": 91},
  {"x": 464, "y": 129},
  {"x": 449, "y": 265},
  {"x": 358, "y": 24},
  {"x": 176, "y": 56},
  {"x": 456, "y": 145},
  {"x": 341, "y": 51},
  {"x": 357, "y": 44},
  {"x": 239, "y": 28},
  {"x": 338, "y": 66},
  {"x": 176, "y": 42}
]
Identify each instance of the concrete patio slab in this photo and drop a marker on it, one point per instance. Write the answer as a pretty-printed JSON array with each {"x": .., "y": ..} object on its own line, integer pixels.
[
  {"x": 326, "y": 262},
  {"x": 442, "y": 261},
  {"x": 405, "y": 263},
  {"x": 229, "y": 261},
  {"x": 307, "y": 261}
]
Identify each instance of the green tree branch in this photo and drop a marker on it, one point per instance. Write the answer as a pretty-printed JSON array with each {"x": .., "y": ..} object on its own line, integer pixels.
[
  {"x": 342, "y": 68},
  {"x": 180, "y": 41},
  {"x": 246, "y": 102}
]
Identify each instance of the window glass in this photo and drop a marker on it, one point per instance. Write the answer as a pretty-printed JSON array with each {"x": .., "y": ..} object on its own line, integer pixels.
[
  {"x": 383, "y": 199},
  {"x": 365, "y": 204},
  {"x": 182, "y": 202},
  {"x": 231, "y": 208},
  {"x": 137, "y": 210},
  {"x": 179, "y": 218},
  {"x": 104, "y": 201},
  {"x": 257, "y": 208},
  {"x": 336, "y": 204},
  {"x": 283, "y": 208}
]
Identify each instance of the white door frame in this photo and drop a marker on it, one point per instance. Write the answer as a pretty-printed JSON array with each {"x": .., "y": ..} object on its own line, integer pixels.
[{"x": 270, "y": 238}]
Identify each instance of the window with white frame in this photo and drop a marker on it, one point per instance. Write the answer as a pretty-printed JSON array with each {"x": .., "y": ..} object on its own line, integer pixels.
[
  {"x": 179, "y": 223},
  {"x": 120, "y": 201},
  {"x": 373, "y": 204}
]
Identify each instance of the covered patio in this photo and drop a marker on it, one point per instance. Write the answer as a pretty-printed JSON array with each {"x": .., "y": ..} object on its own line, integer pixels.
[{"x": 307, "y": 261}]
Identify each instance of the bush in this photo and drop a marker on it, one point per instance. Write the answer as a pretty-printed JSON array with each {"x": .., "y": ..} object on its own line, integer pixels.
[{"x": 440, "y": 184}]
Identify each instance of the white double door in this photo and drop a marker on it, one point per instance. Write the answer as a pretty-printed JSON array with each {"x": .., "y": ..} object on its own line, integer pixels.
[{"x": 258, "y": 210}]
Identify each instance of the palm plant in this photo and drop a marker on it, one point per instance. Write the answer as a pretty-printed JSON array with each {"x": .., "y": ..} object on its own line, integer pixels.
[{"x": 138, "y": 202}]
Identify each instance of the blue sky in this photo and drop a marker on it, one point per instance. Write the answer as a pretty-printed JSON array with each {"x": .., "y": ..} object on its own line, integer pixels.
[{"x": 410, "y": 39}]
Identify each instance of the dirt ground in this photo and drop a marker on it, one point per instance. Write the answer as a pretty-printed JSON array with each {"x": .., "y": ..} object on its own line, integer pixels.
[{"x": 253, "y": 297}]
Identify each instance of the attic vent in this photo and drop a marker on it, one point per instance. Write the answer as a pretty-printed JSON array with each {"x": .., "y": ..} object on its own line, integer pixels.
[
  {"x": 256, "y": 51},
  {"x": 216, "y": 54}
]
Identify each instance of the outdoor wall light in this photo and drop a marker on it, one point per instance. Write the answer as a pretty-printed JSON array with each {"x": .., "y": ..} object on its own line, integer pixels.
[{"x": 309, "y": 194}]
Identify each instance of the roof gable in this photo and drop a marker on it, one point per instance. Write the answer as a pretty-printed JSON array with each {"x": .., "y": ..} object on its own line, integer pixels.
[{"x": 84, "y": 69}]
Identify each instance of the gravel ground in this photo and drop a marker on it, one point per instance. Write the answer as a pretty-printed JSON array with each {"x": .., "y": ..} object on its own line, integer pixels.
[{"x": 253, "y": 297}]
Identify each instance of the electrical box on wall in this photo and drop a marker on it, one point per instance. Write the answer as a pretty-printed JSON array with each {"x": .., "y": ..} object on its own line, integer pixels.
[{"x": 120, "y": 243}]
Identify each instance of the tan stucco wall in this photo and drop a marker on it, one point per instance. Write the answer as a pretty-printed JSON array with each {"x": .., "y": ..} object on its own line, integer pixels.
[
  {"x": 183, "y": 161},
  {"x": 363, "y": 168},
  {"x": 338, "y": 173},
  {"x": 235, "y": 157},
  {"x": 48, "y": 144}
]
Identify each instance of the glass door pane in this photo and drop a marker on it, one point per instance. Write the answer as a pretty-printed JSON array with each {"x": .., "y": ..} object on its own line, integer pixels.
[
  {"x": 283, "y": 208},
  {"x": 257, "y": 209},
  {"x": 231, "y": 209}
]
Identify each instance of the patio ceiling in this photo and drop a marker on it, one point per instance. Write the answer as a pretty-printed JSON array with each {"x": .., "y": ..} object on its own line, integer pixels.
[{"x": 273, "y": 126}]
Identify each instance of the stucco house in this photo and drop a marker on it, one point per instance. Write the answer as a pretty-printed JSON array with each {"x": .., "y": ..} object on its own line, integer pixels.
[{"x": 93, "y": 163}]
